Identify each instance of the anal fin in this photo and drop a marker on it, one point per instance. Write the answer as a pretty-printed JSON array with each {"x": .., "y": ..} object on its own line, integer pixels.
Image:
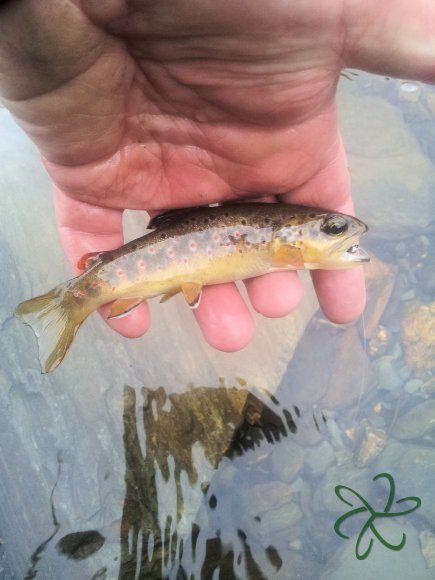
[
  {"x": 169, "y": 295},
  {"x": 123, "y": 306},
  {"x": 192, "y": 292}
]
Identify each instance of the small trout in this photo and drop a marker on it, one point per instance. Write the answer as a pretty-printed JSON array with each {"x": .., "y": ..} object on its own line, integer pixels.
[{"x": 186, "y": 250}]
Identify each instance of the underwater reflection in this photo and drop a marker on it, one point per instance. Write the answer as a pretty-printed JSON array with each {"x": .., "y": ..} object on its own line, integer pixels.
[{"x": 173, "y": 451}]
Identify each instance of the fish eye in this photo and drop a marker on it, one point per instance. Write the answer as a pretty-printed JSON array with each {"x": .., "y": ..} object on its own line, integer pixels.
[{"x": 335, "y": 225}]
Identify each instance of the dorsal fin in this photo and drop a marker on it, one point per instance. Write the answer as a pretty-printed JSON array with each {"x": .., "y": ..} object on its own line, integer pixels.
[{"x": 170, "y": 217}]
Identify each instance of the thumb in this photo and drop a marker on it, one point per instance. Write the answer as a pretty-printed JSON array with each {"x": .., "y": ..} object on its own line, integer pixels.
[{"x": 391, "y": 38}]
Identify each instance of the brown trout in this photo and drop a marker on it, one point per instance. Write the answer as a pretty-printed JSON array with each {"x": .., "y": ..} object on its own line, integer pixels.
[{"x": 186, "y": 250}]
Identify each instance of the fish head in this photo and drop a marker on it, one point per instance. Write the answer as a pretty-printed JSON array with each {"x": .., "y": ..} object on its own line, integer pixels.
[{"x": 325, "y": 240}]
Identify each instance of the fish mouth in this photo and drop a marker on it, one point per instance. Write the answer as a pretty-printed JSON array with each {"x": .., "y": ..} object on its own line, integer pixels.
[{"x": 356, "y": 254}]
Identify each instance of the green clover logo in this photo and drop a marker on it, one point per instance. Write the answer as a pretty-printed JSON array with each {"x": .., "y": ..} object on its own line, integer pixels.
[{"x": 370, "y": 523}]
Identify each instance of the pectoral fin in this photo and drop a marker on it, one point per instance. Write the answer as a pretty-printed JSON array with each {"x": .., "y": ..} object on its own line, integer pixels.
[
  {"x": 286, "y": 256},
  {"x": 123, "y": 306},
  {"x": 87, "y": 260},
  {"x": 192, "y": 292}
]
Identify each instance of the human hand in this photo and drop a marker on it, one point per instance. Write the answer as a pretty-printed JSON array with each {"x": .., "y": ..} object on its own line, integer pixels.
[{"x": 156, "y": 105}]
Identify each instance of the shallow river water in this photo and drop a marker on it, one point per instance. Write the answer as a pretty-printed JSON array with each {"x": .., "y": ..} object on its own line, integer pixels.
[{"x": 308, "y": 455}]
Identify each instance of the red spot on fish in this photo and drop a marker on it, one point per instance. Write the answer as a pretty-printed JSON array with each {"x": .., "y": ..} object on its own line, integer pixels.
[
  {"x": 170, "y": 252},
  {"x": 94, "y": 284},
  {"x": 141, "y": 264},
  {"x": 216, "y": 237},
  {"x": 151, "y": 250},
  {"x": 237, "y": 234},
  {"x": 193, "y": 245},
  {"x": 120, "y": 272}
]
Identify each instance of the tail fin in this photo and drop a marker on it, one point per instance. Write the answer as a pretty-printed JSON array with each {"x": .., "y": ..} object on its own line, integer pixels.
[{"x": 54, "y": 323}]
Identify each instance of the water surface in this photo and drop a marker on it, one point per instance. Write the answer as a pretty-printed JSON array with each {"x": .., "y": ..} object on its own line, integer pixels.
[{"x": 162, "y": 458}]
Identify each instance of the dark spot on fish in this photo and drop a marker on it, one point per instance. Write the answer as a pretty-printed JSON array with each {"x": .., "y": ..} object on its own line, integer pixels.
[
  {"x": 267, "y": 220},
  {"x": 92, "y": 289},
  {"x": 212, "y": 502},
  {"x": 108, "y": 257},
  {"x": 243, "y": 222},
  {"x": 312, "y": 216},
  {"x": 257, "y": 519},
  {"x": 134, "y": 246},
  {"x": 226, "y": 214},
  {"x": 300, "y": 232}
]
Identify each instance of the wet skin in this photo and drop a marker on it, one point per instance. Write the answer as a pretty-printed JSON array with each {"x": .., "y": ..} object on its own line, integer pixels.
[{"x": 152, "y": 106}]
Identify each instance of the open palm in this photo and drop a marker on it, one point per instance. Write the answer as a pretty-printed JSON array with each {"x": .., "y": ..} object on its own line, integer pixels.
[{"x": 154, "y": 105}]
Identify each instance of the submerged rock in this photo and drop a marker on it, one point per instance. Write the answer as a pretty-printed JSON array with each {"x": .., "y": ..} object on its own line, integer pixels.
[
  {"x": 370, "y": 442},
  {"x": 320, "y": 458},
  {"x": 379, "y": 282},
  {"x": 427, "y": 541},
  {"x": 418, "y": 337},
  {"x": 419, "y": 421},
  {"x": 382, "y": 563},
  {"x": 268, "y": 509},
  {"x": 413, "y": 468},
  {"x": 287, "y": 460},
  {"x": 80, "y": 545},
  {"x": 389, "y": 170}
]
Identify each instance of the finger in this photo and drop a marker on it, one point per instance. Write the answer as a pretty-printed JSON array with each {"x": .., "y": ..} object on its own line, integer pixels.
[
  {"x": 341, "y": 294},
  {"x": 276, "y": 294},
  {"x": 224, "y": 318},
  {"x": 85, "y": 228}
]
